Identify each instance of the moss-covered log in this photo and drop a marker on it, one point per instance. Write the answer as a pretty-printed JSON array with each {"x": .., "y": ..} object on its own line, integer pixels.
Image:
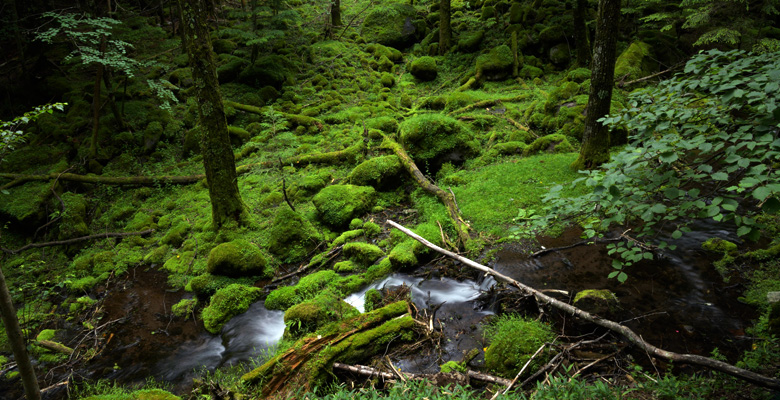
[
  {"x": 308, "y": 361},
  {"x": 488, "y": 103},
  {"x": 18, "y": 179},
  {"x": 444, "y": 196},
  {"x": 294, "y": 119},
  {"x": 351, "y": 153}
]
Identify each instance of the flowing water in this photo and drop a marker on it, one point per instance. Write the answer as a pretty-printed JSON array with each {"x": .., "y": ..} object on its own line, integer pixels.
[{"x": 677, "y": 302}]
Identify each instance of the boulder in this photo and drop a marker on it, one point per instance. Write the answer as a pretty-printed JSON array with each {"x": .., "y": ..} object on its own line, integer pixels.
[
  {"x": 337, "y": 205},
  {"x": 238, "y": 258},
  {"x": 291, "y": 236},
  {"x": 424, "y": 68},
  {"x": 635, "y": 62},
  {"x": 391, "y": 25}
]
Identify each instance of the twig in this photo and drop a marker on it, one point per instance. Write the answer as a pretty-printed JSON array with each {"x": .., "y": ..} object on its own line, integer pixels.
[
  {"x": 390, "y": 363},
  {"x": 527, "y": 363},
  {"x": 584, "y": 242},
  {"x": 627, "y": 333},
  {"x": 593, "y": 363},
  {"x": 622, "y": 84},
  {"x": 76, "y": 240}
]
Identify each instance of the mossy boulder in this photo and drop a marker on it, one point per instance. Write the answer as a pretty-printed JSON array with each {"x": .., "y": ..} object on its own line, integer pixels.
[
  {"x": 469, "y": 42},
  {"x": 382, "y": 173},
  {"x": 727, "y": 249},
  {"x": 402, "y": 255},
  {"x": 600, "y": 302},
  {"x": 312, "y": 314},
  {"x": 391, "y": 24},
  {"x": 281, "y": 298},
  {"x": 496, "y": 64},
  {"x": 513, "y": 340},
  {"x": 222, "y": 46},
  {"x": 555, "y": 143},
  {"x": 238, "y": 258},
  {"x": 337, "y": 205},
  {"x": 362, "y": 253},
  {"x": 387, "y": 80},
  {"x": 487, "y": 13},
  {"x": 560, "y": 54},
  {"x": 509, "y": 148},
  {"x": 273, "y": 70},
  {"x": 176, "y": 235},
  {"x": 307, "y": 288},
  {"x": 424, "y": 68},
  {"x": 25, "y": 205},
  {"x": 73, "y": 223},
  {"x": 291, "y": 236},
  {"x": 635, "y": 62},
  {"x": 227, "y": 303},
  {"x": 434, "y": 139}
]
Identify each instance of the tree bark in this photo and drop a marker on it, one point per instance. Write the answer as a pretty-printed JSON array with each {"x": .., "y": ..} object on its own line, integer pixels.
[
  {"x": 626, "y": 332},
  {"x": 335, "y": 13},
  {"x": 595, "y": 139},
  {"x": 96, "y": 102},
  {"x": 218, "y": 159},
  {"x": 581, "y": 33},
  {"x": 445, "y": 28},
  {"x": 16, "y": 340}
]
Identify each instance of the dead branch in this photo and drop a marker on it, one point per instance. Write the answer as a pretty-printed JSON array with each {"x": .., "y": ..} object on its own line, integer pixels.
[
  {"x": 76, "y": 240},
  {"x": 521, "y": 126},
  {"x": 54, "y": 346},
  {"x": 527, "y": 363},
  {"x": 622, "y": 84},
  {"x": 630, "y": 335},
  {"x": 333, "y": 253},
  {"x": 373, "y": 372},
  {"x": 445, "y": 197},
  {"x": 488, "y": 103},
  {"x": 18, "y": 179}
]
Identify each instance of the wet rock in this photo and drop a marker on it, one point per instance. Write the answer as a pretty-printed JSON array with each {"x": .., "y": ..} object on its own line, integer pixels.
[
  {"x": 600, "y": 302},
  {"x": 237, "y": 258}
]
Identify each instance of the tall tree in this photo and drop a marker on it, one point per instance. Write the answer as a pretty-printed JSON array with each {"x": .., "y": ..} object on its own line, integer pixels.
[
  {"x": 218, "y": 159},
  {"x": 335, "y": 13},
  {"x": 581, "y": 33},
  {"x": 16, "y": 340},
  {"x": 445, "y": 28},
  {"x": 595, "y": 139}
]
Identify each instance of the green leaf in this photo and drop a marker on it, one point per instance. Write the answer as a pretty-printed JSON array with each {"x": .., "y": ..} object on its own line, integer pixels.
[
  {"x": 743, "y": 230},
  {"x": 771, "y": 205},
  {"x": 761, "y": 193},
  {"x": 677, "y": 234},
  {"x": 658, "y": 208},
  {"x": 622, "y": 277},
  {"x": 669, "y": 157},
  {"x": 720, "y": 176},
  {"x": 613, "y": 274}
]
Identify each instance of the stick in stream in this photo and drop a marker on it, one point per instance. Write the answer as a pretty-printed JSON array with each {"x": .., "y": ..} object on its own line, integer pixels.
[{"x": 630, "y": 335}]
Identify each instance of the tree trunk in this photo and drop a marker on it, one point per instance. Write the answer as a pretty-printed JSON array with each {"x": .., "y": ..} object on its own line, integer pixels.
[
  {"x": 595, "y": 140},
  {"x": 96, "y": 103},
  {"x": 335, "y": 13},
  {"x": 218, "y": 159},
  {"x": 16, "y": 340},
  {"x": 445, "y": 28},
  {"x": 581, "y": 34}
]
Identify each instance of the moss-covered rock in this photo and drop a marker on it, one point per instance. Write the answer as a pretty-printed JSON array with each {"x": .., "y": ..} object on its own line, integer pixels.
[
  {"x": 180, "y": 263},
  {"x": 555, "y": 143},
  {"x": 469, "y": 42},
  {"x": 433, "y": 139},
  {"x": 227, "y": 303},
  {"x": 560, "y": 54},
  {"x": 238, "y": 258},
  {"x": 601, "y": 302},
  {"x": 727, "y": 249},
  {"x": 176, "y": 235},
  {"x": 362, "y": 253},
  {"x": 282, "y": 298},
  {"x": 312, "y": 314},
  {"x": 509, "y": 148},
  {"x": 424, "y": 68},
  {"x": 487, "y": 13},
  {"x": 338, "y": 204},
  {"x": 373, "y": 300},
  {"x": 371, "y": 228},
  {"x": 73, "y": 223},
  {"x": 273, "y": 70},
  {"x": 221, "y": 46},
  {"x": 25, "y": 205},
  {"x": 509, "y": 351},
  {"x": 382, "y": 173},
  {"x": 635, "y": 62},
  {"x": 291, "y": 236},
  {"x": 495, "y": 65},
  {"x": 390, "y": 24},
  {"x": 402, "y": 255},
  {"x": 346, "y": 266}
]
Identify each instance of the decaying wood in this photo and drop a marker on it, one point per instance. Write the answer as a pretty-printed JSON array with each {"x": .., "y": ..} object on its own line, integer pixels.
[
  {"x": 331, "y": 157},
  {"x": 627, "y": 333},
  {"x": 18, "y": 179},
  {"x": 54, "y": 346},
  {"x": 488, "y": 103},
  {"x": 363, "y": 370},
  {"x": 445, "y": 197},
  {"x": 294, "y": 119},
  {"x": 76, "y": 240},
  {"x": 521, "y": 126}
]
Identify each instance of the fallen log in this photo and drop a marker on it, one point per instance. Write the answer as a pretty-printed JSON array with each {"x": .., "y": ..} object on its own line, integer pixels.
[
  {"x": 488, "y": 103},
  {"x": 626, "y": 332},
  {"x": 332, "y": 157},
  {"x": 54, "y": 346},
  {"x": 18, "y": 179},
  {"x": 76, "y": 240},
  {"x": 294, "y": 119},
  {"x": 307, "y": 362},
  {"x": 444, "y": 196}
]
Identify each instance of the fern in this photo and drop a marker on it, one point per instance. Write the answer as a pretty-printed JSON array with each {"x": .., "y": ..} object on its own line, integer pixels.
[{"x": 721, "y": 36}]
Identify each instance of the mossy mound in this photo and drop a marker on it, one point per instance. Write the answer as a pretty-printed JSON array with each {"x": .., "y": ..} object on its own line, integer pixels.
[
  {"x": 315, "y": 313},
  {"x": 391, "y": 25},
  {"x": 238, "y": 258},
  {"x": 433, "y": 139},
  {"x": 635, "y": 62},
  {"x": 337, "y": 205},
  {"x": 382, "y": 173},
  {"x": 273, "y": 70},
  {"x": 513, "y": 339},
  {"x": 555, "y": 143},
  {"x": 495, "y": 65},
  {"x": 25, "y": 205},
  {"x": 227, "y": 303},
  {"x": 424, "y": 68},
  {"x": 291, "y": 236},
  {"x": 601, "y": 302},
  {"x": 362, "y": 253},
  {"x": 470, "y": 42},
  {"x": 307, "y": 288},
  {"x": 73, "y": 223}
]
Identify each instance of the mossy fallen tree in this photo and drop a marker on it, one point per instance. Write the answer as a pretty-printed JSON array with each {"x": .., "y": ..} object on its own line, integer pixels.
[
  {"x": 488, "y": 103},
  {"x": 444, "y": 196},
  {"x": 626, "y": 332},
  {"x": 331, "y": 157},
  {"x": 295, "y": 119},
  {"x": 308, "y": 362},
  {"x": 106, "y": 235}
]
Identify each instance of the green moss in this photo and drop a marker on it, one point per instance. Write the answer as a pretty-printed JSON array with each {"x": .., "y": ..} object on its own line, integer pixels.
[
  {"x": 509, "y": 351},
  {"x": 555, "y": 143},
  {"x": 346, "y": 237},
  {"x": 387, "y": 80},
  {"x": 497, "y": 64},
  {"x": 176, "y": 235},
  {"x": 424, "y": 68},
  {"x": 470, "y": 42},
  {"x": 227, "y": 303},
  {"x": 510, "y": 148},
  {"x": 600, "y": 302},
  {"x": 180, "y": 263},
  {"x": 380, "y": 270},
  {"x": 362, "y": 253},
  {"x": 81, "y": 303},
  {"x": 371, "y": 228},
  {"x": 487, "y": 13},
  {"x": 718, "y": 245},
  {"x": 156, "y": 255},
  {"x": 291, "y": 236},
  {"x": 578, "y": 75},
  {"x": 635, "y": 62},
  {"x": 282, "y": 298},
  {"x": 429, "y": 136},
  {"x": 337, "y": 205},
  {"x": 344, "y": 266},
  {"x": 387, "y": 24},
  {"x": 383, "y": 172},
  {"x": 373, "y": 300},
  {"x": 402, "y": 255},
  {"x": 312, "y": 314},
  {"x": 73, "y": 223},
  {"x": 25, "y": 204},
  {"x": 184, "y": 308},
  {"x": 453, "y": 366},
  {"x": 238, "y": 258}
]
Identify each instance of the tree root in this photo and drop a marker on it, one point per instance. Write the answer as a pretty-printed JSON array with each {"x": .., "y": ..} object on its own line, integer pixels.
[
  {"x": 445, "y": 197},
  {"x": 630, "y": 335}
]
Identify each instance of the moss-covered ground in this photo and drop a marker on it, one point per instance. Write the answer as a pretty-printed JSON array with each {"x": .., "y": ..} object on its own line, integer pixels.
[{"x": 308, "y": 106}]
